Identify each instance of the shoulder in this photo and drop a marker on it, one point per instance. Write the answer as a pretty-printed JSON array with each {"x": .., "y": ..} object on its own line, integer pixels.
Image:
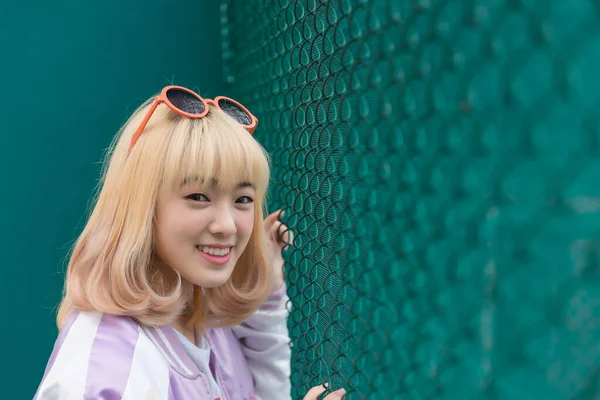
[{"x": 100, "y": 355}]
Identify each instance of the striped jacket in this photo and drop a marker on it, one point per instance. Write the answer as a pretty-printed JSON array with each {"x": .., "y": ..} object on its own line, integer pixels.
[{"x": 102, "y": 356}]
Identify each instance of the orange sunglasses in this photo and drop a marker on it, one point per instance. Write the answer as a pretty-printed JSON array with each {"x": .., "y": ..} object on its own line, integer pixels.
[{"x": 189, "y": 104}]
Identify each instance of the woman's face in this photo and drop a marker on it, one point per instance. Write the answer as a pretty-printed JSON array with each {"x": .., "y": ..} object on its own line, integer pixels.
[{"x": 202, "y": 229}]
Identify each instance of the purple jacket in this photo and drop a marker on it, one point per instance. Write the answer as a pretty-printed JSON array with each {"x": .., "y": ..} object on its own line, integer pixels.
[{"x": 102, "y": 356}]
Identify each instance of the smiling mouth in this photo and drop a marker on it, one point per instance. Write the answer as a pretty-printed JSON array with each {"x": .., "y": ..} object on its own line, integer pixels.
[
  {"x": 214, "y": 251},
  {"x": 215, "y": 255}
]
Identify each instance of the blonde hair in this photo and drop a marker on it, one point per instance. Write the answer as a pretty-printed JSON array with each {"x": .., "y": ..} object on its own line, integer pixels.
[{"x": 112, "y": 267}]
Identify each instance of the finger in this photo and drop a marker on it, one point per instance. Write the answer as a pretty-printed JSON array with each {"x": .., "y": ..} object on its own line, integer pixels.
[
  {"x": 338, "y": 394},
  {"x": 274, "y": 230},
  {"x": 271, "y": 218},
  {"x": 286, "y": 235},
  {"x": 314, "y": 393},
  {"x": 282, "y": 234},
  {"x": 289, "y": 239}
]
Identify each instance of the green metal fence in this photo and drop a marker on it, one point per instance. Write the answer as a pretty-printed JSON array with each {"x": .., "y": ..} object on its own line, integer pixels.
[{"x": 439, "y": 162}]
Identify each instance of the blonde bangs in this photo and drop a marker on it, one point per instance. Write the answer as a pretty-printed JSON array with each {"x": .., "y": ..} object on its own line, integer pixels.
[{"x": 235, "y": 156}]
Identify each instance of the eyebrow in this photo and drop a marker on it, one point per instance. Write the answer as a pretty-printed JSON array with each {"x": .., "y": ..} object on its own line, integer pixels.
[
  {"x": 194, "y": 180},
  {"x": 213, "y": 182},
  {"x": 246, "y": 185}
]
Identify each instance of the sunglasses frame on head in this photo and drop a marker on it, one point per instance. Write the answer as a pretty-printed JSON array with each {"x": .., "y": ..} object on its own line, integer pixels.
[{"x": 164, "y": 98}]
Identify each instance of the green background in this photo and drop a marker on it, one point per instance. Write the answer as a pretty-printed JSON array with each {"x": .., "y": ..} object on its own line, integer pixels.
[{"x": 72, "y": 72}]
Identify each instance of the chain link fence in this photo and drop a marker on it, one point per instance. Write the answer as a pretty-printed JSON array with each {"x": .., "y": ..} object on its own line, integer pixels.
[{"x": 439, "y": 162}]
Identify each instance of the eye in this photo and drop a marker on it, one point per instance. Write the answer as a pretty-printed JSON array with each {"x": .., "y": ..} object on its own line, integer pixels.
[
  {"x": 197, "y": 197},
  {"x": 245, "y": 200}
]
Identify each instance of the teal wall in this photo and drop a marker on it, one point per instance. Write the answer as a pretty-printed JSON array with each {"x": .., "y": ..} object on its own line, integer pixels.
[{"x": 71, "y": 74}]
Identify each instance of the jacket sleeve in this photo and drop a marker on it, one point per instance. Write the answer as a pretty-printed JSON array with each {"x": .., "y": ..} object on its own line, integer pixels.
[
  {"x": 65, "y": 390},
  {"x": 103, "y": 357},
  {"x": 115, "y": 377},
  {"x": 265, "y": 342}
]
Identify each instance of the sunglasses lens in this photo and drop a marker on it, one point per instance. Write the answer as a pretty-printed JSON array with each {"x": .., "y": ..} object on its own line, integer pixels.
[
  {"x": 235, "y": 111},
  {"x": 185, "y": 101}
]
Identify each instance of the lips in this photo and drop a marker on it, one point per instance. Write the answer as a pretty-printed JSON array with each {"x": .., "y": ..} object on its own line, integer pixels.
[
  {"x": 214, "y": 251},
  {"x": 215, "y": 255}
]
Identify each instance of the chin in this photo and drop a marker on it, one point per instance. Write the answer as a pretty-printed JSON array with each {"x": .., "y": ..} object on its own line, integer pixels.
[
  {"x": 212, "y": 279},
  {"x": 211, "y": 284}
]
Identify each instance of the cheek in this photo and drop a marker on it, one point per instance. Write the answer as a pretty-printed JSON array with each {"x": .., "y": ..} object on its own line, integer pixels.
[
  {"x": 174, "y": 227},
  {"x": 246, "y": 224},
  {"x": 185, "y": 222}
]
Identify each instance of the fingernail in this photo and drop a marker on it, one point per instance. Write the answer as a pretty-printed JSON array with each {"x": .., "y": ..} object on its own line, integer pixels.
[{"x": 339, "y": 393}]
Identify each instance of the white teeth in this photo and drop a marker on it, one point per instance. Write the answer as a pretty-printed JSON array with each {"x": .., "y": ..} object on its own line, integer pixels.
[{"x": 214, "y": 251}]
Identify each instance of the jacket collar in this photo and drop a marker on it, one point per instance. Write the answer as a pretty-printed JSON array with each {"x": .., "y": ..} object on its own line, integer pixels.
[{"x": 166, "y": 340}]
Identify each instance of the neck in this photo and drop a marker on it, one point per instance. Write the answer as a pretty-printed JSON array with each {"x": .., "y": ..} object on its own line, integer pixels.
[
  {"x": 182, "y": 323},
  {"x": 185, "y": 329},
  {"x": 187, "y": 293}
]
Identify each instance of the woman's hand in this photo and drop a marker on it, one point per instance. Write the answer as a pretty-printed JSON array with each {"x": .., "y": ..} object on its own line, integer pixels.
[
  {"x": 313, "y": 394},
  {"x": 279, "y": 237}
]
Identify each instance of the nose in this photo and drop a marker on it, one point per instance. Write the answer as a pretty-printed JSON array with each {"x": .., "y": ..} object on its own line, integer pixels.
[{"x": 223, "y": 223}]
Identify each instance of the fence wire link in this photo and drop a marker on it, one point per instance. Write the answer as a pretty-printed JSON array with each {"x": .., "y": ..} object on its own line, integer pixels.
[{"x": 439, "y": 164}]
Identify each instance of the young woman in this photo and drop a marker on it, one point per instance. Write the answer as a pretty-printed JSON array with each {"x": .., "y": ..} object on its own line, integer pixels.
[{"x": 174, "y": 290}]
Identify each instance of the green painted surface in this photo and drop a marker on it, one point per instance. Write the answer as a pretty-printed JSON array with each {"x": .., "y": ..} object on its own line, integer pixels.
[{"x": 72, "y": 72}]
